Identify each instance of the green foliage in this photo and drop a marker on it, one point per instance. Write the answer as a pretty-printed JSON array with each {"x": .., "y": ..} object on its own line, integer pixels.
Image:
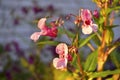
[
  {"x": 115, "y": 57},
  {"x": 65, "y": 31},
  {"x": 112, "y": 26},
  {"x": 104, "y": 73},
  {"x": 77, "y": 69},
  {"x": 24, "y": 62},
  {"x": 109, "y": 36},
  {"x": 96, "y": 40},
  {"x": 74, "y": 60},
  {"x": 91, "y": 62},
  {"x": 62, "y": 75},
  {"x": 48, "y": 42},
  {"x": 83, "y": 42}
]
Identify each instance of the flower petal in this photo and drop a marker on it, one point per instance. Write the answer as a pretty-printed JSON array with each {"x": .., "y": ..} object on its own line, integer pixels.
[
  {"x": 41, "y": 23},
  {"x": 94, "y": 27},
  {"x": 52, "y": 32},
  {"x": 87, "y": 29},
  {"x": 60, "y": 63},
  {"x": 35, "y": 36},
  {"x": 86, "y": 14},
  {"x": 62, "y": 49}
]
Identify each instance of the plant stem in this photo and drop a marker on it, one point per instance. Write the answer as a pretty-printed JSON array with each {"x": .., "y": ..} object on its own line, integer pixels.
[
  {"x": 90, "y": 46},
  {"x": 101, "y": 52},
  {"x": 79, "y": 63}
]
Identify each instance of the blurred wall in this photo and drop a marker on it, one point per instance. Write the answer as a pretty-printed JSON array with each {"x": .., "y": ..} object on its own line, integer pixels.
[{"x": 16, "y": 20}]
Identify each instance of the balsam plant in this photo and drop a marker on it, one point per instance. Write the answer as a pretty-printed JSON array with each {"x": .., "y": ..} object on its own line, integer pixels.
[{"x": 98, "y": 26}]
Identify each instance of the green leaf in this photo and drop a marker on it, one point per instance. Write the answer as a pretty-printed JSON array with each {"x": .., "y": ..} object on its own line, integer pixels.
[
  {"x": 101, "y": 20},
  {"x": 109, "y": 10},
  {"x": 116, "y": 8},
  {"x": 91, "y": 62},
  {"x": 31, "y": 68},
  {"x": 83, "y": 42},
  {"x": 109, "y": 79},
  {"x": 47, "y": 42},
  {"x": 74, "y": 61},
  {"x": 104, "y": 73},
  {"x": 61, "y": 75},
  {"x": 112, "y": 26},
  {"x": 24, "y": 62},
  {"x": 115, "y": 57},
  {"x": 96, "y": 40}
]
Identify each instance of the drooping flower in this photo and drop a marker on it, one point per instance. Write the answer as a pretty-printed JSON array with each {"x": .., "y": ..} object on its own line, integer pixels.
[
  {"x": 45, "y": 30},
  {"x": 61, "y": 61},
  {"x": 88, "y": 27}
]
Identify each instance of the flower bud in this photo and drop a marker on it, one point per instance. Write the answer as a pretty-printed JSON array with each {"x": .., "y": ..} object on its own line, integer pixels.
[
  {"x": 69, "y": 57},
  {"x": 96, "y": 13}
]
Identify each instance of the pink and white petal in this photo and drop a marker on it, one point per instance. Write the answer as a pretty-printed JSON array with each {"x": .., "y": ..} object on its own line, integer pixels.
[
  {"x": 87, "y": 29},
  {"x": 62, "y": 49},
  {"x": 35, "y": 36},
  {"x": 86, "y": 14},
  {"x": 41, "y": 23},
  {"x": 87, "y": 22},
  {"x": 44, "y": 32},
  {"x": 55, "y": 61},
  {"x": 60, "y": 63},
  {"x": 94, "y": 27}
]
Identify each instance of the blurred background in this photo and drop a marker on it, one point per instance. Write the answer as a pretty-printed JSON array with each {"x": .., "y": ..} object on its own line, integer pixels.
[{"x": 20, "y": 58}]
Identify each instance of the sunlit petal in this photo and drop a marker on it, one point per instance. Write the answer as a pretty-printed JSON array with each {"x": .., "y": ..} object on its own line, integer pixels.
[
  {"x": 62, "y": 48},
  {"x": 87, "y": 29},
  {"x": 86, "y": 14},
  {"x": 41, "y": 23},
  {"x": 35, "y": 36}
]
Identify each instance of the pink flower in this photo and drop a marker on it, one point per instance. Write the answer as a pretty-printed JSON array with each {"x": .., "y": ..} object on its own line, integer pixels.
[
  {"x": 61, "y": 62},
  {"x": 88, "y": 27},
  {"x": 45, "y": 31}
]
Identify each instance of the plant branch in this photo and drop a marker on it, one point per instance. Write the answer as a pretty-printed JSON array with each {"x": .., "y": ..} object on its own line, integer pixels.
[
  {"x": 98, "y": 35},
  {"x": 79, "y": 63},
  {"x": 90, "y": 46}
]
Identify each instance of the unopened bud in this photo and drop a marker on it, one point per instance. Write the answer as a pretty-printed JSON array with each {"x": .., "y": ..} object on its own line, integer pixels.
[
  {"x": 69, "y": 57},
  {"x": 96, "y": 13}
]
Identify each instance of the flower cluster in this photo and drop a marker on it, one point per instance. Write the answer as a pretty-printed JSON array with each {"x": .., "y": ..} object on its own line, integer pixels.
[{"x": 62, "y": 49}]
